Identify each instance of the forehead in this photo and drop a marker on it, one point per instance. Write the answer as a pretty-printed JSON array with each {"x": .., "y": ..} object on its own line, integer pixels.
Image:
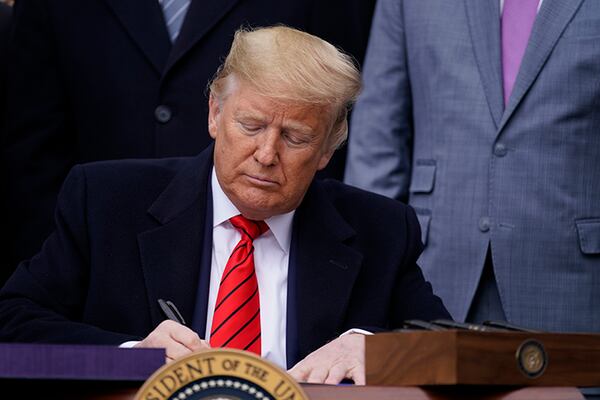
[{"x": 246, "y": 103}]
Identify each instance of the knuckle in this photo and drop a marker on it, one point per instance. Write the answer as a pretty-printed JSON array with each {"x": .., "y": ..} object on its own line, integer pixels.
[{"x": 165, "y": 324}]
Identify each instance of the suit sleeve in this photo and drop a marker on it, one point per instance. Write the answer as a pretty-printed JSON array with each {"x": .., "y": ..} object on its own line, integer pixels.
[
  {"x": 379, "y": 149},
  {"x": 38, "y": 143},
  {"x": 44, "y": 299},
  {"x": 413, "y": 295}
]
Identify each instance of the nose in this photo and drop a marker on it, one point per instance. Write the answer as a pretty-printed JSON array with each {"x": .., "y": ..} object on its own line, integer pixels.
[{"x": 267, "y": 152}]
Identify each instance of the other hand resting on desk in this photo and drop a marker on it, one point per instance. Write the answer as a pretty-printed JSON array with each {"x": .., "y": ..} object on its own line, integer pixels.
[{"x": 341, "y": 358}]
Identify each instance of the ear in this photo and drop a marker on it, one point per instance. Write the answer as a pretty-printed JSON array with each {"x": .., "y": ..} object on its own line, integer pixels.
[
  {"x": 214, "y": 109},
  {"x": 328, "y": 153},
  {"x": 325, "y": 157}
]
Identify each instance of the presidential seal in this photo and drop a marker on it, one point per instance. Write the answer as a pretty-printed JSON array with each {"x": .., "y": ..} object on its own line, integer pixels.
[
  {"x": 221, "y": 374},
  {"x": 532, "y": 358}
]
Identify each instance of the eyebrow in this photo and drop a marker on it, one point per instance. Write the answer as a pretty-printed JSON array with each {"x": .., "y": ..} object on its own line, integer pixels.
[
  {"x": 300, "y": 128},
  {"x": 291, "y": 125},
  {"x": 248, "y": 115}
]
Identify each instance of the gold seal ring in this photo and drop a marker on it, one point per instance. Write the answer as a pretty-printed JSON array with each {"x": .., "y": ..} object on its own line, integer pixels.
[
  {"x": 532, "y": 358},
  {"x": 220, "y": 374}
]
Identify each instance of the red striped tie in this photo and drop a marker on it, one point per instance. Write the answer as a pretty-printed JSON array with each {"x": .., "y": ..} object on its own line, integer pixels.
[{"x": 236, "y": 321}]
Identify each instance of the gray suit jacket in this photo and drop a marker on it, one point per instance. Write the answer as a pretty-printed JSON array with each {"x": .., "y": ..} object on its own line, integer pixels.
[{"x": 431, "y": 127}]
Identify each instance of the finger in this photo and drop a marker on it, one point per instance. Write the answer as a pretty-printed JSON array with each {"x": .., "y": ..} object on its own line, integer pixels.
[
  {"x": 204, "y": 345},
  {"x": 176, "y": 350},
  {"x": 299, "y": 372},
  {"x": 156, "y": 339},
  {"x": 318, "y": 374},
  {"x": 336, "y": 373},
  {"x": 167, "y": 325},
  {"x": 357, "y": 374},
  {"x": 186, "y": 337},
  {"x": 168, "y": 331}
]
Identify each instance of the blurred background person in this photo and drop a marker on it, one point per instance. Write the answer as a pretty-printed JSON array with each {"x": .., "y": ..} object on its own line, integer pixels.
[{"x": 485, "y": 115}]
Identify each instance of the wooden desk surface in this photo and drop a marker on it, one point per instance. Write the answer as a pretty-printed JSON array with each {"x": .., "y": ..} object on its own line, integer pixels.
[{"x": 71, "y": 390}]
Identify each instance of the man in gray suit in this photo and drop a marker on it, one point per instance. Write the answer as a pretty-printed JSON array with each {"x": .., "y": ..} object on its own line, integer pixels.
[{"x": 490, "y": 127}]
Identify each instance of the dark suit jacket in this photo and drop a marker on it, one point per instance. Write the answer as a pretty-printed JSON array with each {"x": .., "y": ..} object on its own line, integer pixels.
[
  {"x": 99, "y": 79},
  {"x": 5, "y": 22},
  {"x": 130, "y": 232}
]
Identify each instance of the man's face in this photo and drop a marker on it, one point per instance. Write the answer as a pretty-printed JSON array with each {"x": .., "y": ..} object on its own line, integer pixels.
[{"x": 266, "y": 151}]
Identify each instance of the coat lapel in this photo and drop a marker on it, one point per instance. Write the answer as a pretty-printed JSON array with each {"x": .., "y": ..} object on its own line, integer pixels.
[
  {"x": 324, "y": 269},
  {"x": 200, "y": 18},
  {"x": 144, "y": 22},
  {"x": 484, "y": 26},
  {"x": 551, "y": 21},
  {"x": 171, "y": 254}
]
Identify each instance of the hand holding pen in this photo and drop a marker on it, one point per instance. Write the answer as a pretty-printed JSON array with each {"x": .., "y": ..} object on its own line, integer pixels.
[{"x": 177, "y": 339}]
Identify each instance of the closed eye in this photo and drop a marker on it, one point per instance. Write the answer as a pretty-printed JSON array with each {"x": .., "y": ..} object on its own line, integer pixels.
[
  {"x": 250, "y": 129},
  {"x": 295, "y": 140}
]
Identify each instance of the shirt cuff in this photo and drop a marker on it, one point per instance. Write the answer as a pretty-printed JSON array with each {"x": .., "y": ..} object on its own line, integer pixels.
[
  {"x": 356, "y": 330},
  {"x": 128, "y": 345}
]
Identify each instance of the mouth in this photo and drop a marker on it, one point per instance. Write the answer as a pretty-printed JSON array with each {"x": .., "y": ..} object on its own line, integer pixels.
[{"x": 261, "y": 181}]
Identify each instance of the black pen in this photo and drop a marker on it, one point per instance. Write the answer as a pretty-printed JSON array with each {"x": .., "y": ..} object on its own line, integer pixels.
[{"x": 171, "y": 312}]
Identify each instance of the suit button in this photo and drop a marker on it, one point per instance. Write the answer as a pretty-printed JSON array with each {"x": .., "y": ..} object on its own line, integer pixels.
[
  {"x": 500, "y": 150},
  {"x": 163, "y": 114},
  {"x": 484, "y": 224}
]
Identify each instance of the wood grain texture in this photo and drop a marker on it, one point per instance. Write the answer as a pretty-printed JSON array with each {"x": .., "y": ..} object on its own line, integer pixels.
[
  {"x": 479, "y": 358},
  {"x": 322, "y": 392}
]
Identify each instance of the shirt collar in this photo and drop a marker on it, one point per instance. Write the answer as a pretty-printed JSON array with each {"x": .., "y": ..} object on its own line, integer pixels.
[{"x": 223, "y": 209}]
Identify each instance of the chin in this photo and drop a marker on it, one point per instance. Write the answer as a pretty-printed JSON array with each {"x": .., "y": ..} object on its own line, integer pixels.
[{"x": 252, "y": 208}]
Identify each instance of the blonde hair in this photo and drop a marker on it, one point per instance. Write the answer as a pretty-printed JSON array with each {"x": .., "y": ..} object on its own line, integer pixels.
[{"x": 290, "y": 65}]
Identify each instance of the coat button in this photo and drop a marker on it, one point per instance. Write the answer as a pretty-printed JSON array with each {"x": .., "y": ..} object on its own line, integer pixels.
[
  {"x": 484, "y": 224},
  {"x": 500, "y": 150},
  {"x": 163, "y": 114}
]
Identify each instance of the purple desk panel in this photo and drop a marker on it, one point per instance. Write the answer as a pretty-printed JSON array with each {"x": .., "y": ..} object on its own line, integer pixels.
[{"x": 77, "y": 362}]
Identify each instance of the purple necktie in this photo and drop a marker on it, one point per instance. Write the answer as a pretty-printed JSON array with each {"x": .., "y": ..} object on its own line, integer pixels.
[{"x": 517, "y": 20}]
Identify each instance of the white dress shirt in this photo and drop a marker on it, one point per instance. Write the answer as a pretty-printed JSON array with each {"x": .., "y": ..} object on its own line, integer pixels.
[{"x": 271, "y": 260}]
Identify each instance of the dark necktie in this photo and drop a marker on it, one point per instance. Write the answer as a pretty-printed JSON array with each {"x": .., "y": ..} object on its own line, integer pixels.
[
  {"x": 236, "y": 321},
  {"x": 174, "y": 12}
]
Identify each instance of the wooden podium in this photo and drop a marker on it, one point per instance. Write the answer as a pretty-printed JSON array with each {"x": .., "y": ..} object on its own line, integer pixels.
[{"x": 457, "y": 357}]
